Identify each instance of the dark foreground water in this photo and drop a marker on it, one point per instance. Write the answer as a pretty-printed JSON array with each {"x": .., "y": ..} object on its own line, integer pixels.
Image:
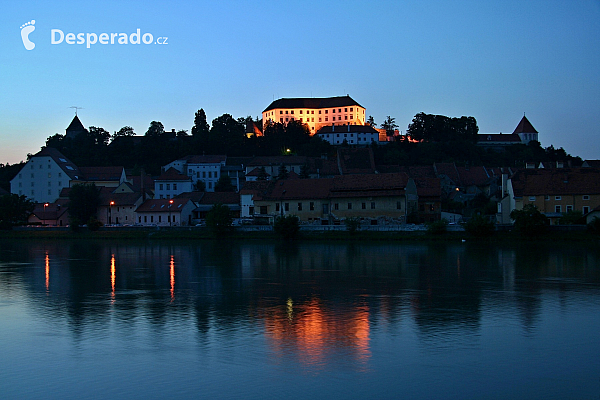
[{"x": 157, "y": 320}]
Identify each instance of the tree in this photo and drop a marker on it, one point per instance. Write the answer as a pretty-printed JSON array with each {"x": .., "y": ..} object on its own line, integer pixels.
[
  {"x": 389, "y": 125},
  {"x": 199, "y": 186},
  {"x": 219, "y": 219},
  {"x": 352, "y": 224},
  {"x": 224, "y": 184},
  {"x": 182, "y": 133},
  {"x": 479, "y": 226},
  {"x": 83, "y": 204},
  {"x": 438, "y": 227},
  {"x": 200, "y": 128},
  {"x": 304, "y": 172},
  {"x": 529, "y": 221},
  {"x": 124, "y": 131},
  {"x": 283, "y": 172},
  {"x": 262, "y": 174},
  {"x": 156, "y": 129},
  {"x": 439, "y": 128},
  {"x": 227, "y": 135},
  {"x": 14, "y": 210},
  {"x": 371, "y": 122},
  {"x": 571, "y": 218},
  {"x": 287, "y": 226}
]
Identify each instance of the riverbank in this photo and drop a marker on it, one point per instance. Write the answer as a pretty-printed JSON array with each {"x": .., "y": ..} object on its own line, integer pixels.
[{"x": 202, "y": 233}]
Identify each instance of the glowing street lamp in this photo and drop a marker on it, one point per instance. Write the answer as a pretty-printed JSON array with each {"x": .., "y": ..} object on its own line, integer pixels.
[
  {"x": 109, "y": 212},
  {"x": 44, "y": 218},
  {"x": 170, "y": 204}
]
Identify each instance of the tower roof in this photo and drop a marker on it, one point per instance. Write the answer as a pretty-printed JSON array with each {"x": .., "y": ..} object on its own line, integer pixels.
[
  {"x": 75, "y": 126},
  {"x": 525, "y": 126}
]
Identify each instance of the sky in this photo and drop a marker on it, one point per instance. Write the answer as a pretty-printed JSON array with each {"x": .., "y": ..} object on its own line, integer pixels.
[{"x": 493, "y": 60}]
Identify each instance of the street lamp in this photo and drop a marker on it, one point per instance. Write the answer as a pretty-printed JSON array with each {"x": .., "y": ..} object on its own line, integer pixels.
[
  {"x": 109, "y": 217},
  {"x": 44, "y": 217},
  {"x": 170, "y": 204}
]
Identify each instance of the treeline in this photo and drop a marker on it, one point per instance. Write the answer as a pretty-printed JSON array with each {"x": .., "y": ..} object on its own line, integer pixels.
[{"x": 157, "y": 147}]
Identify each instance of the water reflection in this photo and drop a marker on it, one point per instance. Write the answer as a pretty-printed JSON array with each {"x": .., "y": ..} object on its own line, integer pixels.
[{"x": 317, "y": 307}]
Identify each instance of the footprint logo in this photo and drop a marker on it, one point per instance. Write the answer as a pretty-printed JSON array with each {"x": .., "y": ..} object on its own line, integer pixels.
[{"x": 26, "y": 29}]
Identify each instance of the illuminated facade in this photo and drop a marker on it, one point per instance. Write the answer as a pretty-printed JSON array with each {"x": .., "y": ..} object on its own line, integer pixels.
[{"x": 315, "y": 112}]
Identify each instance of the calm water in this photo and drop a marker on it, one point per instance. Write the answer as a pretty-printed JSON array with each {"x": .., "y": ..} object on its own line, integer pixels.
[{"x": 144, "y": 320}]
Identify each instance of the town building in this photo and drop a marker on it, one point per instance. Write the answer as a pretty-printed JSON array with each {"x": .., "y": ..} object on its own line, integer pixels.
[
  {"x": 171, "y": 183},
  {"x": 315, "y": 112},
  {"x": 361, "y": 135},
  {"x": 523, "y": 134},
  {"x": 165, "y": 212},
  {"x": 205, "y": 169},
  {"x": 44, "y": 175}
]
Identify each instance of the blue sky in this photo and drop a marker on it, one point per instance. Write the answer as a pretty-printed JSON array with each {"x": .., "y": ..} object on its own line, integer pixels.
[{"x": 490, "y": 60}]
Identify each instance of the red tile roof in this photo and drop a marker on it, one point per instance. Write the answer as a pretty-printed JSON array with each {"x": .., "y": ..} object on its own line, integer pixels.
[
  {"x": 356, "y": 160},
  {"x": 564, "y": 181},
  {"x": 162, "y": 205},
  {"x": 525, "y": 126},
  {"x": 173, "y": 175},
  {"x": 101, "y": 173}
]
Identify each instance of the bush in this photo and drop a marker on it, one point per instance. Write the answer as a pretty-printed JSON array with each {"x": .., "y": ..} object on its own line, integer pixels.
[
  {"x": 571, "y": 218},
  {"x": 529, "y": 221},
  {"x": 438, "y": 227},
  {"x": 479, "y": 226},
  {"x": 594, "y": 226},
  {"x": 93, "y": 224},
  {"x": 219, "y": 219},
  {"x": 287, "y": 226},
  {"x": 352, "y": 225}
]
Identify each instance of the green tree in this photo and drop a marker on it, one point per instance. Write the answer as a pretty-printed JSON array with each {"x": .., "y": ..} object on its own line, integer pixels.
[
  {"x": 224, "y": 184},
  {"x": 14, "y": 210},
  {"x": 529, "y": 221},
  {"x": 352, "y": 224},
  {"x": 262, "y": 174},
  {"x": 156, "y": 129},
  {"x": 83, "y": 204},
  {"x": 371, "y": 122},
  {"x": 287, "y": 226},
  {"x": 219, "y": 219},
  {"x": 571, "y": 218},
  {"x": 479, "y": 226},
  {"x": 389, "y": 125},
  {"x": 124, "y": 131},
  {"x": 304, "y": 172},
  {"x": 283, "y": 172},
  {"x": 439, "y": 128},
  {"x": 438, "y": 227}
]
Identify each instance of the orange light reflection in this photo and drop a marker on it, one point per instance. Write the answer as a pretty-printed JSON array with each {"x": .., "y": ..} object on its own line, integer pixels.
[
  {"x": 47, "y": 271},
  {"x": 112, "y": 276},
  {"x": 172, "y": 276}
]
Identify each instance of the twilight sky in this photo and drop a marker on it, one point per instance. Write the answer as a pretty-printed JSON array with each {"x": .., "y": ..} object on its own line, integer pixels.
[{"x": 490, "y": 60}]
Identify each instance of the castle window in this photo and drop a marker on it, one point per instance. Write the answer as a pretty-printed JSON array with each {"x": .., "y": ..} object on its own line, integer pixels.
[
  {"x": 281, "y": 112},
  {"x": 313, "y": 111},
  {"x": 332, "y": 111},
  {"x": 319, "y": 119},
  {"x": 326, "y": 111},
  {"x": 345, "y": 117},
  {"x": 312, "y": 120},
  {"x": 300, "y": 111},
  {"x": 339, "y": 110},
  {"x": 346, "y": 109},
  {"x": 351, "y": 109},
  {"x": 319, "y": 113},
  {"x": 326, "y": 119},
  {"x": 291, "y": 112}
]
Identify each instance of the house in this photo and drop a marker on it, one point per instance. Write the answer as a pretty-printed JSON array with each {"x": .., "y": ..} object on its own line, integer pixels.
[
  {"x": 271, "y": 164},
  {"x": 555, "y": 191},
  {"x": 118, "y": 207},
  {"x": 374, "y": 198},
  {"x": 361, "y": 135},
  {"x": 49, "y": 214},
  {"x": 171, "y": 183},
  {"x": 236, "y": 171},
  {"x": 101, "y": 176},
  {"x": 209, "y": 199},
  {"x": 523, "y": 134},
  {"x": 44, "y": 175},
  {"x": 253, "y": 191},
  {"x": 355, "y": 160},
  {"x": 315, "y": 112},
  {"x": 165, "y": 212},
  {"x": 205, "y": 169}
]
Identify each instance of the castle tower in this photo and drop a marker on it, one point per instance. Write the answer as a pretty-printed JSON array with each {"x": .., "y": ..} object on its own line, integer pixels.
[{"x": 526, "y": 131}]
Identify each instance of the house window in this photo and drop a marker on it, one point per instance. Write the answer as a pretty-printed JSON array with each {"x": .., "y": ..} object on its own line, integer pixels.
[
  {"x": 372, "y": 205},
  {"x": 336, "y": 206},
  {"x": 312, "y": 206},
  {"x": 364, "y": 206},
  {"x": 160, "y": 218},
  {"x": 546, "y": 197},
  {"x": 287, "y": 207},
  {"x": 60, "y": 175},
  {"x": 558, "y": 209},
  {"x": 586, "y": 209},
  {"x": 263, "y": 209},
  {"x": 210, "y": 185},
  {"x": 299, "y": 206},
  {"x": 49, "y": 191},
  {"x": 49, "y": 184},
  {"x": 145, "y": 218},
  {"x": 276, "y": 206},
  {"x": 349, "y": 206},
  {"x": 204, "y": 174},
  {"x": 531, "y": 198},
  {"x": 190, "y": 171},
  {"x": 569, "y": 208},
  {"x": 168, "y": 186},
  {"x": 398, "y": 205},
  {"x": 586, "y": 197},
  {"x": 557, "y": 198},
  {"x": 251, "y": 210},
  {"x": 210, "y": 174},
  {"x": 174, "y": 186},
  {"x": 160, "y": 186},
  {"x": 152, "y": 218}
]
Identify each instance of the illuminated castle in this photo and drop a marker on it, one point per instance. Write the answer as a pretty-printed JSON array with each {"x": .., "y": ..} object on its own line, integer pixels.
[{"x": 316, "y": 112}]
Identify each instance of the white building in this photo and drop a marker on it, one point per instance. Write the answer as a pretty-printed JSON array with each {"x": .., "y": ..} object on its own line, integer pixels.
[
  {"x": 44, "y": 176},
  {"x": 206, "y": 169},
  {"x": 351, "y": 134},
  {"x": 171, "y": 183}
]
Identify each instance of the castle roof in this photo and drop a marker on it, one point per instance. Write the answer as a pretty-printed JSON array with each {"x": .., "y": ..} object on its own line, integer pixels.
[
  {"x": 75, "y": 125},
  {"x": 312, "y": 102},
  {"x": 525, "y": 126}
]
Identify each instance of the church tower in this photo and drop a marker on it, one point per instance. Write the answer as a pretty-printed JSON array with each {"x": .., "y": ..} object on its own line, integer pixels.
[
  {"x": 75, "y": 128},
  {"x": 526, "y": 131}
]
